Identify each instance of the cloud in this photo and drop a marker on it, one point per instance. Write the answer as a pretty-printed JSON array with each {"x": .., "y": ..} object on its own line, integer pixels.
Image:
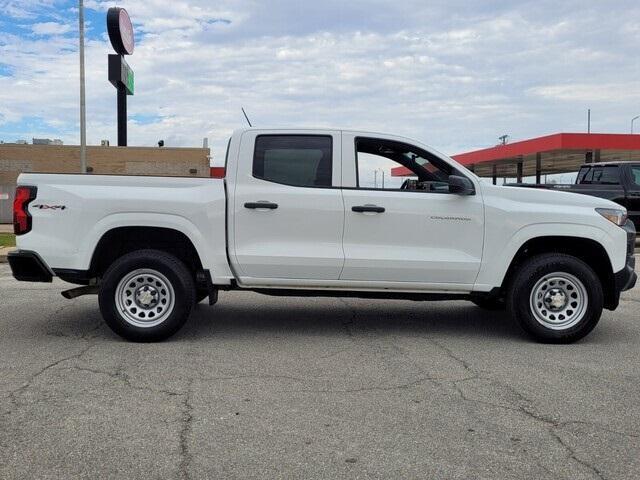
[
  {"x": 25, "y": 8},
  {"x": 587, "y": 93},
  {"x": 50, "y": 28},
  {"x": 454, "y": 74}
]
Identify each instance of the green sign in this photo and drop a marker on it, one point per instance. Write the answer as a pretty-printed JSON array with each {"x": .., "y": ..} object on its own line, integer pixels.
[
  {"x": 130, "y": 83},
  {"x": 120, "y": 73}
]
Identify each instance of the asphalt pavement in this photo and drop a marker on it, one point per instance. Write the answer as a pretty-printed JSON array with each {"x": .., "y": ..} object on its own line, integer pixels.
[{"x": 266, "y": 387}]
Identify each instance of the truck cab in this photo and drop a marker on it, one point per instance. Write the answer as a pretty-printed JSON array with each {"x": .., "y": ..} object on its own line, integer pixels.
[{"x": 615, "y": 181}]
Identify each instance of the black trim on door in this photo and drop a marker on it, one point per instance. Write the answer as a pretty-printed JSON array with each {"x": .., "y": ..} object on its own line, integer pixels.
[
  {"x": 367, "y": 208},
  {"x": 254, "y": 205}
]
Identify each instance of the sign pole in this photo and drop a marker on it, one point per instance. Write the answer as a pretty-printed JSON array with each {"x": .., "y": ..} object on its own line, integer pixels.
[
  {"x": 121, "y": 76},
  {"x": 83, "y": 118},
  {"x": 122, "y": 116}
]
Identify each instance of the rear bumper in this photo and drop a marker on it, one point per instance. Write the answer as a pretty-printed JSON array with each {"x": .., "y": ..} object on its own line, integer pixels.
[{"x": 27, "y": 266}]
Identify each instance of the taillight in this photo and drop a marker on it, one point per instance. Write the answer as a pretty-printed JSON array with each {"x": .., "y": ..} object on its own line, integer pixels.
[
  {"x": 21, "y": 217},
  {"x": 217, "y": 172}
]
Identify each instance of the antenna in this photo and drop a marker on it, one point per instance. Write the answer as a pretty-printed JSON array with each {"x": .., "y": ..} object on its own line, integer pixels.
[{"x": 245, "y": 116}]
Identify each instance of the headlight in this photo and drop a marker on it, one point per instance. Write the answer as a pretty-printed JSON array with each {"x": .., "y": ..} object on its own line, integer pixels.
[{"x": 619, "y": 217}]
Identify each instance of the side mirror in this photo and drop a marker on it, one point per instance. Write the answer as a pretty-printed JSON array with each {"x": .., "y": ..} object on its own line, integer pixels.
[{"x": 461, "y": 185}]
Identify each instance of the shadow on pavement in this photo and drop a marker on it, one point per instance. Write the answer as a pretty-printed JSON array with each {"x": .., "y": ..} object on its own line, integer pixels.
[{"x": 246, "y": 315}]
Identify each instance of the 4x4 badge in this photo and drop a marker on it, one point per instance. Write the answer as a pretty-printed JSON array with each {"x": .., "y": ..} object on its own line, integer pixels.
[{"x": 50, "y": 207}]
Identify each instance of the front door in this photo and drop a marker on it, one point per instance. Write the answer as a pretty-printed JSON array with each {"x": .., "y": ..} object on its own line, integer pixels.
[
  {"x": 407, "y": 229},
  {"x": 287, "y": 214}
]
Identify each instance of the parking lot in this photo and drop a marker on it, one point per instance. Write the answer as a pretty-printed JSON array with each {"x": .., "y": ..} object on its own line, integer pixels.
[{"x": 259, "y": 387}]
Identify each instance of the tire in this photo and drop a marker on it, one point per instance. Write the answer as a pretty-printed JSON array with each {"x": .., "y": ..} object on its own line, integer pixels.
[
  {"x": 146, "y": 295},
  {"x": 491, "y": 304},
  {"x": 556, "y": 298}
]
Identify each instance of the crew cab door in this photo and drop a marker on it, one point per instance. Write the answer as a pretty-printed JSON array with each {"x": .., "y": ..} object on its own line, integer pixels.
[
  {"x": 414, "y": 232},
  {"x": 286, "y": 218}
]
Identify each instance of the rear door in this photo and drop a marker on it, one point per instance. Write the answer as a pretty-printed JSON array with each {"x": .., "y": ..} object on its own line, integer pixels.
[
  {"x": 406, "y": 229},
  {"x": 287, "y": 213}
]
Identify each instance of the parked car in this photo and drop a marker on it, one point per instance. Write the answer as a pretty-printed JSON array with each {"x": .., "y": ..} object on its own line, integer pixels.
[
  {"x": 615, "y": 181},
  {"x": 299, "y": 214}
]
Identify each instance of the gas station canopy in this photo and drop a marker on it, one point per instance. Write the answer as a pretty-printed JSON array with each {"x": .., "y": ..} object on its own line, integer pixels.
[{"x": 557, "y": 153}]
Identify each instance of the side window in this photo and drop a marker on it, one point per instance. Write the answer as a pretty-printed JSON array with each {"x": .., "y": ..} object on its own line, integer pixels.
[
  {"x": 298, "y": 160},
  {"x": 582, "y": 174},
  {"x": 635, "y": 175},
  {"x": 388, "y": 165},
  {"x": 610, "y": 175}
]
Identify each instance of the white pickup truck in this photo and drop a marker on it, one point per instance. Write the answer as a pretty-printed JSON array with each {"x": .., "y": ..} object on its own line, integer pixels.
[{"x": 307, "y": 212}]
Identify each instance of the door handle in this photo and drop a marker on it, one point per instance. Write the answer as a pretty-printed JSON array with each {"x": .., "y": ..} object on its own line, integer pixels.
[
  {"x": 368, "y": 208},
  {"x": 261, "y": 204}
]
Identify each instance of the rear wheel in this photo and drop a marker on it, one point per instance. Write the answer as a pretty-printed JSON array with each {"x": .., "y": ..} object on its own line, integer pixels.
[
  {"x": 556, "y": 298},
  {"x": 146, "y": 296}
]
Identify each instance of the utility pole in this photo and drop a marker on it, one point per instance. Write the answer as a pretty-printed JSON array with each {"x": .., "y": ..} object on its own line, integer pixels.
[
  {"x": 589, "y": 120},
  {"x": 83, "y": 117}
]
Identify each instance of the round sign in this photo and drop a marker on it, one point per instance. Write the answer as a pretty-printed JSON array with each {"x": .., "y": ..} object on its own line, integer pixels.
[{"x": 120, "y": 30}]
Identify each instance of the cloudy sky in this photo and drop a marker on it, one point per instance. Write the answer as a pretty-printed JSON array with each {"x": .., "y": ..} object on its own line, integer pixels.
[{"x": 454, "y": 74}]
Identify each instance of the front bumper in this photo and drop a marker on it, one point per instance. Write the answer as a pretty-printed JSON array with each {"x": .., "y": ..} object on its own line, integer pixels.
[
  {"x": 626, "y": 278},
  {"x": 27, "y": 266}
]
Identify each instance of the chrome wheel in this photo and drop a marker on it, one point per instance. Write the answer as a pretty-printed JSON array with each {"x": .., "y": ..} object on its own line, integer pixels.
[
  {"x": 559, "y": 301},
  {"x": 145, "y": 298}
]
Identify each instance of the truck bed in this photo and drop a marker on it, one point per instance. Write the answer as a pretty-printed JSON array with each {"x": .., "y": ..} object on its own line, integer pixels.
[{"x": 72, "y": 212}]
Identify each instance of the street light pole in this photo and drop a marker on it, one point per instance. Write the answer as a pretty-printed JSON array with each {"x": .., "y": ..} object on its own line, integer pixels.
[
  {"x": 83, "y": 119},
  {"x": 633, "y": 120}
]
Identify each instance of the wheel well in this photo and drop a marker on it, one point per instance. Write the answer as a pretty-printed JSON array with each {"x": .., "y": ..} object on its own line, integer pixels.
[
  {"x": 587, "y": 250},
  {"x": 123, "y": 240}
]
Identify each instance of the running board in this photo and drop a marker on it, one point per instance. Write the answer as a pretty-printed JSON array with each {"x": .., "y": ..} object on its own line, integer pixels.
[{"x": 80, "y": 291}]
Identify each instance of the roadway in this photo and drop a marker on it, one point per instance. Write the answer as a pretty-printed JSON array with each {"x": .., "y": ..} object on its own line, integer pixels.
[{"x": 265, "y": 387}]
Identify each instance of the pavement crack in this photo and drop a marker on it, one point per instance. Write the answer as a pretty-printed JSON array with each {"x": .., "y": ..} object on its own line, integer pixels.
[
  {"x": 524, "y": 407},
  {"x": 121, "y": 376},
  {"x": 257, "y": 377},
  {"x": 573, "y": 455},
  {"x": 185, "y": 432},
  {"x": 401, "y": 386},
  {"x": 597, "y": 426},
  {"x": 14, "y": 393}
]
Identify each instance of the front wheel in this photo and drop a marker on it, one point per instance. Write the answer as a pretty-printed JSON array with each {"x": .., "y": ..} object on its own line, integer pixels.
[
  {"x": 146, "y": 295},
  {"x": 556, "y": 298}
]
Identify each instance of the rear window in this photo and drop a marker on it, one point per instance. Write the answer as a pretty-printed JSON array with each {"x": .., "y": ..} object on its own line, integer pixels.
[
  {"x": 582, "y": 174},
  {"x": 610, "y": 175},
  {"x": 298, "y": 160},
  {"x": 607, "y": 175}
]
